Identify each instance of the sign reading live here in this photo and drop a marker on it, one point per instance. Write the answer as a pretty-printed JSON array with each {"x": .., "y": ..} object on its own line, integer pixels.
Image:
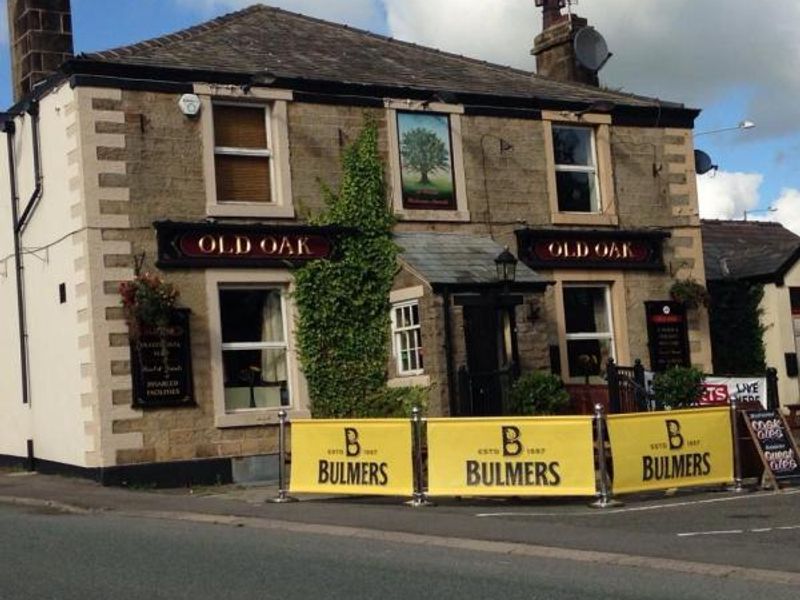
[
  {"x": 544, "y": 456},
  {"x": 718, "y": 391},
  {"x": 352, "y": 457},
  {"x": 239, "y": 245},
  {"x": 679, "y": 448}
]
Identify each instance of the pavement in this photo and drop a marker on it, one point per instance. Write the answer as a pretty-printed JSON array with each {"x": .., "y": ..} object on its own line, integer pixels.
[{"x": 753, "y": 535}]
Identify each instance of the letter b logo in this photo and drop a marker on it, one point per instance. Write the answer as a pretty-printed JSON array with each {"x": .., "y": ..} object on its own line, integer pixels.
[
  {"x": 674, "y": 434},
  {"x": 511, "y": 444},
  {"x": 352, "y": 447}
]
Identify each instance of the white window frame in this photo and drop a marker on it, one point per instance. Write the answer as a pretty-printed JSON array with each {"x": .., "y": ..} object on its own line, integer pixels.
[
  {"x": 217, "y": 279},
  {"x": 398, "y": 331},
  {"x": 597, "y": 196},
  {"x": 275, "y": 105},
  {"x": 590, "y": 335},
  {"x": 454, "y": 111}
]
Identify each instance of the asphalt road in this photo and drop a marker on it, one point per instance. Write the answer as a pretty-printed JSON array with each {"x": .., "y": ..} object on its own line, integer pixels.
[{"x": 49, "y": 555}]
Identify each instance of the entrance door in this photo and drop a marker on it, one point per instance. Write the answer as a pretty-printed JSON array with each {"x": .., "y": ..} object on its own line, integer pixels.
[{"x": 491, "y": 349}]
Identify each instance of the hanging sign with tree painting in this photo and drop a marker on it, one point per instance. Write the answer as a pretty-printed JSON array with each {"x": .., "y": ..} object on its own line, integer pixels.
[{"x": 426, "y": 161}]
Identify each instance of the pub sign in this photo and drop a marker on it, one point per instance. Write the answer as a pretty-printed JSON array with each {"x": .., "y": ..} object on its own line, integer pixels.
[{"x": 667, "y": 335}]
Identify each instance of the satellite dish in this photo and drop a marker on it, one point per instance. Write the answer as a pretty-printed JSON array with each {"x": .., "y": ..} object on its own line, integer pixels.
[
  {"x": 591, "y": 49},
  {"x": 702, "y": 163}
]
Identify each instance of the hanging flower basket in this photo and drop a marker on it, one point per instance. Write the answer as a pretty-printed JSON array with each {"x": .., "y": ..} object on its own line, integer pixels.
[
  {"x": 690, "y": 293},
  {"x": 148, "y": 301}
]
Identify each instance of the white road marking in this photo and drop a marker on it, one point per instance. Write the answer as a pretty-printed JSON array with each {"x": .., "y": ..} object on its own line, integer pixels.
[
  {"x": 721, "y": 532},
  {"x": 599, "y": 512},
  {"x": 735, "y": 531}
]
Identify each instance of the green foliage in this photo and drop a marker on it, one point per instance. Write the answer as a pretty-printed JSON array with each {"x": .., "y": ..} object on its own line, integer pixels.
[
  {"x": 424, "y": 151},
  {"x": 147, "y": 300},
  {"x": 678, "y": 387},
  {"x": 737, "y": 334},
  {"x": 690, "y": 292},
  {"x": 396, "y": 402},
  {"x": 538, "y": 393},
  {"x": 343, "y": 307}
]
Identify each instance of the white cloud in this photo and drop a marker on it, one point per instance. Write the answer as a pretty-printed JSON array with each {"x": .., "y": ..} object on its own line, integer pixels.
[
  {"x": 682, "y": 50},
  {"x": 360, "y": 13},
  {"x": 727, "y": 195},
  {"x": 787, "y": 209}
]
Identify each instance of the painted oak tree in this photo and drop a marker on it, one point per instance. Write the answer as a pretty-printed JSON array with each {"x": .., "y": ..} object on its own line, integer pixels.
[
  {"x": 343, "y": 305},
  {"x": 424, "y": 151}
]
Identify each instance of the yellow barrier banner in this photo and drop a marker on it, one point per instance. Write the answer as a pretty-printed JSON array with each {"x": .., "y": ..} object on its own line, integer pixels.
[
  {"x": 530, "y": 456},
  {"x": 360, "y": 456},
  {"x": 677, "y": 448}
]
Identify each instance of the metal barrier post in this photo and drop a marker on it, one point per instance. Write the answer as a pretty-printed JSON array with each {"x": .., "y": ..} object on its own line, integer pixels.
[
  {"x": 604, "y": 499},
  {"x": 283, "y": 495},
  {"x": 737, "y": 459},
  {"x": 419, "y": 498}
]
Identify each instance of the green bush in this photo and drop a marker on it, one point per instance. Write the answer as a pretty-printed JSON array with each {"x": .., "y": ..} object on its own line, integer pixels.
[
  {"x": 678, "y": 387},
  {"x": 538, "y": 393},
  {"x": 387, "y": 403}
]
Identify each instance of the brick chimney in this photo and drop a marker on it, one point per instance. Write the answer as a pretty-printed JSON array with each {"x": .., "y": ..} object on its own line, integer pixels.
[
  {"x": 41, "y": 39},
  {"x": 554, "y": 48}
]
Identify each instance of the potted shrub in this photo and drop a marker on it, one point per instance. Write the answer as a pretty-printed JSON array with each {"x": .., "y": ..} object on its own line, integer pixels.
[
  {"x": 690, "y": 292},
  {"x": 148, "y": 301},
  {"x": 678, "y": 387},
  {"x": 538, "y": 393}
]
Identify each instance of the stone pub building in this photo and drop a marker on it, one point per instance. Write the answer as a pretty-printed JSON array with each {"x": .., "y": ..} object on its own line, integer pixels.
[{"x": 198, "y": 156}]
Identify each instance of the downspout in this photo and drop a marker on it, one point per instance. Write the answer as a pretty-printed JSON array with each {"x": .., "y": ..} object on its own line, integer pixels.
[
  {"x": 8, "y": 129},
  {"x": 448, "y": 350},
  {"x": 33, "y": 111}
]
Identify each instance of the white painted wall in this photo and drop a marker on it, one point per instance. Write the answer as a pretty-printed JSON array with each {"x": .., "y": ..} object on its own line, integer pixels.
[
  {"x": 55, "y": 418},
  {"x": 779, "y": 334}
]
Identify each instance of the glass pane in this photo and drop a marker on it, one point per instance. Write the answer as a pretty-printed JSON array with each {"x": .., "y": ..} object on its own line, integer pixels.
[
  {"x": 255, "y": 378},
  {"x": 242, "y": 178},
  {"x": 588, "y": 357},
  {"x": 573, "y": 146},
  {"x": 240, "y": 127},
  {"x": 585, "y": 310},
  {"x": 415, "y": 314},
  {"x": 251, "y": 315},
  {"x": 576, "y": 192}
]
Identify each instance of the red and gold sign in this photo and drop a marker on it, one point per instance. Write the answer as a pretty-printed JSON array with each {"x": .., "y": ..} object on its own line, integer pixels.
[
  {"x": 559, "y": 249},
  {"x": 234, "y": 245}
]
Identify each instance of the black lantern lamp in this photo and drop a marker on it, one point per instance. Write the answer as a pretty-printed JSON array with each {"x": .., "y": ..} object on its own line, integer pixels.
[{"x": 506, "y": 266}]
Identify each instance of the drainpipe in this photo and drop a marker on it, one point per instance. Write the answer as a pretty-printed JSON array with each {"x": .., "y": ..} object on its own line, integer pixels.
[
  {"x": 9, "y": 129},
  {"x": 448, "y": 350},
  {"x": 33, "y": 111}
]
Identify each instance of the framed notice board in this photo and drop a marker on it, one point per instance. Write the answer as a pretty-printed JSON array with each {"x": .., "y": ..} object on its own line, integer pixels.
[
  {"x": 775, "y": 444},
  {"x": 161, "y": 364},
  {"x": 667, "y": 335}
]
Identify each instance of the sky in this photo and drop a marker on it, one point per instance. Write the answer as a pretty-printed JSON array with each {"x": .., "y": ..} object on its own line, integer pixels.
[{"x": 734, "y": 59}]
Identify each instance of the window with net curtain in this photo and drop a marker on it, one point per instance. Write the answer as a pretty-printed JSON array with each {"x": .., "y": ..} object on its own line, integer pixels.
[
  {"x": 254, "y": 348},
  {"x": 406, "y": 332},
  {"x": 590, "y": 338},
  {"x": 242, "y": 154},
  {"x": 575, "y": 161}
]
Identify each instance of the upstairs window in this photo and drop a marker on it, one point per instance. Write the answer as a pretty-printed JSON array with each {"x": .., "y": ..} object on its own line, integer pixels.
[
  {"x": 242, "y": 154},
  {"x": 575, "y": 160}
]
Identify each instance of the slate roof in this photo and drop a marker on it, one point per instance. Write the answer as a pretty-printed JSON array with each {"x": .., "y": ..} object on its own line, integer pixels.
[
  {"x": 755, "y": 250},
  {"x": 289, "y": 45},
  {"x": 454, "y": 258}
]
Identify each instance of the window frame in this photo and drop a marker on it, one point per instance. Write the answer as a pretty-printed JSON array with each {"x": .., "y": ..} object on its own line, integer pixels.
[
  {"x": 298, "y": 407},
  {"x": 609, "y": 336},
  {"x": 454, "y": 111},
  {"x": 398, "y": 331},
  {"x": 600, "y": 125},
  {"x": 591, "y": 169},
  {"x": 275, "y": 106}
]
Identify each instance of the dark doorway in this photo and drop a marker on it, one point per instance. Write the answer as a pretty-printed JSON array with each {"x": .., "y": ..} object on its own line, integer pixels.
[{"x": 491, "y": 344}]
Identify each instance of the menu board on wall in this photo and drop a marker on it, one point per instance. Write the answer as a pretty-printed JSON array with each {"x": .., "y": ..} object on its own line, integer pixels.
[
  {"x": 161, "y": 364},
  {"x": 667, "y": 335},
  {"x": 775, "y": 444}
]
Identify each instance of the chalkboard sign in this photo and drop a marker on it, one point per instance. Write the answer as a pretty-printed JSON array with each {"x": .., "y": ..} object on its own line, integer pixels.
[
  {"x": 161, "y": 364},
  {"x": 775, "y": 444},
  {"x": 667, "y": 335}
]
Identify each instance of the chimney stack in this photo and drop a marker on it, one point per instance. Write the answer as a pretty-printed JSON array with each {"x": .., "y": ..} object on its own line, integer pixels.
[
  {"x": 554, "y": 48},
  {"x": 40, "y": 38}
]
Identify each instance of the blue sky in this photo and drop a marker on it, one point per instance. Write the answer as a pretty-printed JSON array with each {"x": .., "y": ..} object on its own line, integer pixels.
[{"x": 736, "y": 67}]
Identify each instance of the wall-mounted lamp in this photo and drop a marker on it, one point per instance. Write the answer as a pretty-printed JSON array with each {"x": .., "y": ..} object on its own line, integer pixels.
[
  {"x": 506, "y": 265},
  {"x": 746, "y": 124}
]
